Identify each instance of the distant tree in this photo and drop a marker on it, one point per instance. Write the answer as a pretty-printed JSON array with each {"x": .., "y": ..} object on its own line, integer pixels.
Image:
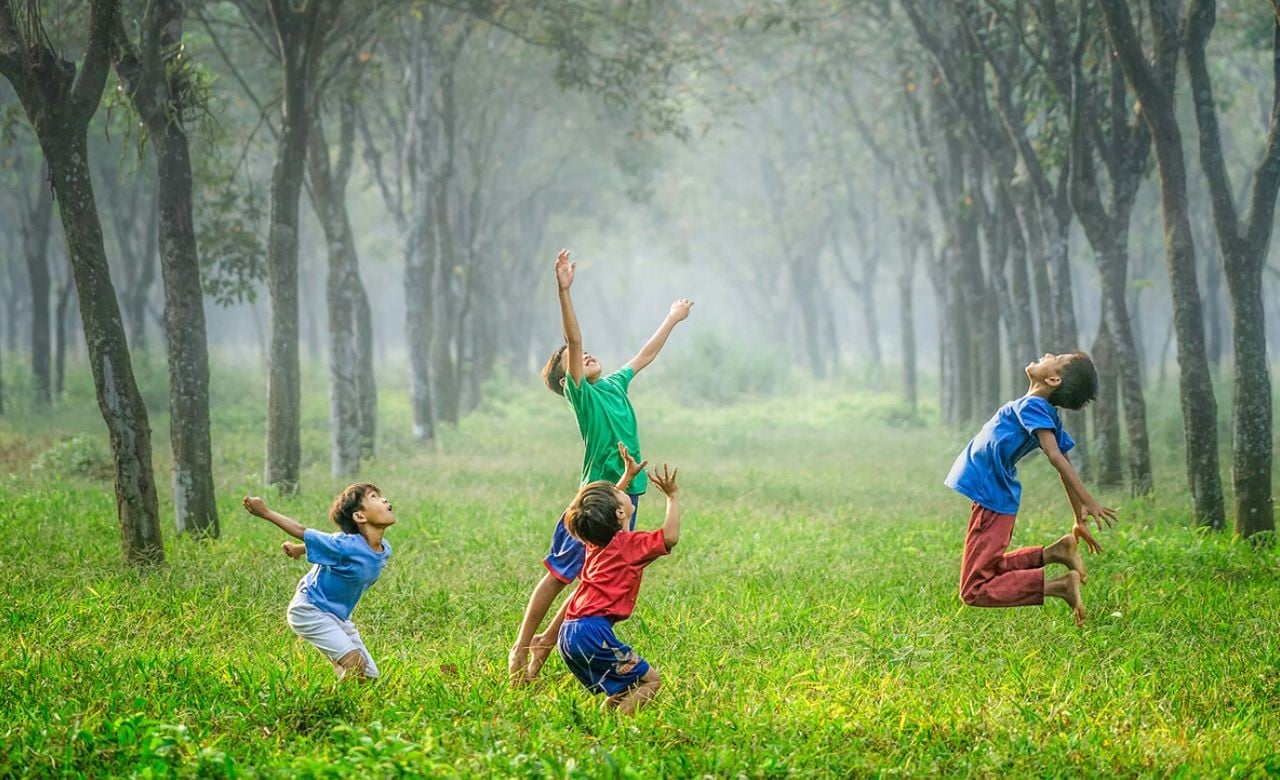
[
  {"x": 1153, "y": 82},
  {"x": 60, "y": 100},
  {"x": 166, "y": 91},
  {"x": 1244, "y": 244}
]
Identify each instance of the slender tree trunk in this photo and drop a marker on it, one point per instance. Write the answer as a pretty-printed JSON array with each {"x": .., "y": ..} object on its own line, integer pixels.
[
  {"x": 906, "y": 314},
  {"x": 343, "y": 279},
  {"x": 36, "y": 229},
  {"x": 1107, "y": 470},
  {"x": 61, "y": 324},
  {"x": 118, "y": 396},
  {"x": 194, "y": 499},
  {"x": 366, "y": 383}
]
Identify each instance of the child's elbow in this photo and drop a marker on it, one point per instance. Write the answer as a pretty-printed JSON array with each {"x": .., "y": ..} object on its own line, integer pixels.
[{"x": 671, "y": 540}]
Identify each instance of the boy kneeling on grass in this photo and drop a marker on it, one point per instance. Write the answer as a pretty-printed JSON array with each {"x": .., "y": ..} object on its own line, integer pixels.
[
  {"x": 345, "y": 565},
  {"x": 608, "y": 587}
]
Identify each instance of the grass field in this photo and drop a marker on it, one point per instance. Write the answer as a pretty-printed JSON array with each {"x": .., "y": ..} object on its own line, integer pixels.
[{"x": 807, "y": 625}]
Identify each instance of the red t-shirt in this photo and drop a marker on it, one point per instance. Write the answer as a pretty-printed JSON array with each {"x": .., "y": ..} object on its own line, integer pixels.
[{"x": 610, "y": 579}]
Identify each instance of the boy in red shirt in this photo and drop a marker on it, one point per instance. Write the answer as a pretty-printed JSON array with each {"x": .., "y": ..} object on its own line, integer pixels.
[{"x": 607, "y": 589}]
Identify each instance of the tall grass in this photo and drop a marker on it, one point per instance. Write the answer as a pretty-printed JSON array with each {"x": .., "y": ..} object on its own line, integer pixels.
[{"x": 807, "y": 625}]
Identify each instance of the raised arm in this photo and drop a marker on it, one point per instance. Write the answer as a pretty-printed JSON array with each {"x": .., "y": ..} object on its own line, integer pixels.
[
  {"x": 569, "y": 318},
  {"x": 1083, "y": 504},
  {"x": 257, "y": 507},
  {"x": 666, "y": 482},
  {"x": 629, "y": 468},
  {"x": 679, "y": 311}
]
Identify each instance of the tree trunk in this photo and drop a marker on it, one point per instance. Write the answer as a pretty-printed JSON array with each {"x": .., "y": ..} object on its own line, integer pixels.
[
  {"x": 906, "y": 315},
  {"x": 366, "y": 381},
  {"x": 343, "y": 279},
  {"x": 118, "y": 396},
  {"x": 194, "y": 499},
  {"x": 1106, "y": 418},
  {"x": 1115, "y": 314},
  {"x": 1155, "y": 91},
  {"x": 35, "y": 244},
  {"x": 1244, "y": 251},
  {"x": 65, "y": 293}
]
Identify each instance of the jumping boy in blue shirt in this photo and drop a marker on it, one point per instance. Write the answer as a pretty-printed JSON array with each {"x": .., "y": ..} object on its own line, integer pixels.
[
  {"x": 986, "y": 473},
  {"x": 345, "y": 565},
  {"x": 606, "y": 420}
]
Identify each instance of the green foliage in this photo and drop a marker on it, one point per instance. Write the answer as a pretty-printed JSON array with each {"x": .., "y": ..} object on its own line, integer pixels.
[
  {"x": 807, "y": 625},
  {"x": 85, "y": 455},
  {"x": 715, "y": 370},
  {"x": 229, "y": 216}
]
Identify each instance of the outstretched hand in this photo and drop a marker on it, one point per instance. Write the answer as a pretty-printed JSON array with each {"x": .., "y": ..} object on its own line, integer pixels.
[
  {"x": 666, "y": 481},
  {"x": 629, "y": 466},
  {"x": 1099, "y": 513},
  {"x": 255, "y": 506},
  {"x": 1081, "y": 532},
  {"x": 564, "y": 270},
  {"x": 680, "y": 309}
]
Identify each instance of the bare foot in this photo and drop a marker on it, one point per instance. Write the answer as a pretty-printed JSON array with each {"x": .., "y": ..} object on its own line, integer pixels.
[
  {"x": 1067, "y": 552},
  {"x": 539, "y": 652},
  {"x": 1067, "y": 588},
  {"x": 517, "y": 658}
]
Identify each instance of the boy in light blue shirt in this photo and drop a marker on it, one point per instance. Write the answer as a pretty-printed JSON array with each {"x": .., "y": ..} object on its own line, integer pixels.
[
  {"x": 986, "y": 473},
  {"x": 345, "y": 564}
]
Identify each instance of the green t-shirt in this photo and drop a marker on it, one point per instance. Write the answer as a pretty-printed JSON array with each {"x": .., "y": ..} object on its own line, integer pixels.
[{"x": 605, "y": 417}]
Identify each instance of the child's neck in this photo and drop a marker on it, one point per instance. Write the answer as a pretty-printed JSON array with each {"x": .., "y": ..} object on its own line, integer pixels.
[
  {"x": 1040, "y": 389},
  {"x": 372, "y": 536}
]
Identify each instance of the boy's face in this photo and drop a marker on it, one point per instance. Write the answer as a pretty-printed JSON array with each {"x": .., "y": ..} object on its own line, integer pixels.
[
  {"x": 1048, "y": 369},
  {"x": 623, "y": 512},
  {"x": 376, "y": 511},
  {"x": 590, "y": 366}
]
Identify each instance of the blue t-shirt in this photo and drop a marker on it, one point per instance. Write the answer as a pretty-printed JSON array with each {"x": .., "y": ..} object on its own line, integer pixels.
[
  {"x": 345, "y": 567},
  {"x": 986, "y": 471}
]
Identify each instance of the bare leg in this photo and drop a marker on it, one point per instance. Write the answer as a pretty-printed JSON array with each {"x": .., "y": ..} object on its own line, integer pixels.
[
  {"x": 544, "y": 595},
  {"x": 1067, "y": 588},
  {"x": 627, "y": 701},
  {"x": 1067, "y": 552},
  {"x": 351, "y": 666},
  {"x": 543, "y": 644}
]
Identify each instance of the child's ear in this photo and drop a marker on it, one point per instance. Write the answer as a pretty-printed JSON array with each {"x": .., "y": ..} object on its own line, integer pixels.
[
  {"x": 1054, "y": 380},
  {"x": 561, "y": 383},
  {"x": 359, "y": 517}
]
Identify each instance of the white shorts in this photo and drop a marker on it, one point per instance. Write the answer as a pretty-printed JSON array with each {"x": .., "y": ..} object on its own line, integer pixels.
[{"x": 329, "y": 633}]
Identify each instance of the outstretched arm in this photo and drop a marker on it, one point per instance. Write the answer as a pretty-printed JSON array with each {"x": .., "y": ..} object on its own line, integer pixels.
[
  {"x": 1083, "y": 505},
  {"x": 666, "y": 482},
  {"x": 679, "y": 311},
  {"x": 257, "y": 507},
  {"x": 630, "y": 468},
  {"x": 569, "y": 318}
]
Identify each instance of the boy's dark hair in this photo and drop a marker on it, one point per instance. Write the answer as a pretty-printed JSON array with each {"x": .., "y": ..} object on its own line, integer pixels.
[
  {"x": 347, "y": 503},
  {"x": 592, "y": 517},
  {"x": 1079, "y": 383},
  {"x": 553, "y": 371}
]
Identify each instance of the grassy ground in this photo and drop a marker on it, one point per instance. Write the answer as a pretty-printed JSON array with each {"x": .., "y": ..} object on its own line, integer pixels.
[{"x": 807, "y": 625}]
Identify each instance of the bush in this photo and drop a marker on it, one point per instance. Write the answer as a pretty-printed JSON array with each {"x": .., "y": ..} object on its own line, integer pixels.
[
  {"x": 713, "y": 370},
  {"x": 80, "y": 456}
]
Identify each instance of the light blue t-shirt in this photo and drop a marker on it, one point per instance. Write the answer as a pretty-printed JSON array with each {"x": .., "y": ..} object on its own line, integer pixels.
[
  {"x": 345, "y": 567},
  {"x": 986, "y": 471}
]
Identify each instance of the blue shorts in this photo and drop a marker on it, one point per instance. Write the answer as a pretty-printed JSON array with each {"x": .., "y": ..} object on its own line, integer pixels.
[
  {"x": 597, "y": 658},
  {"x": 565, "y": 558}
]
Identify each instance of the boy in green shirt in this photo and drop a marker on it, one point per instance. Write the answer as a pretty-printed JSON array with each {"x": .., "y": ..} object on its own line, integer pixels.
[{"x": 608, "y": 427}]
